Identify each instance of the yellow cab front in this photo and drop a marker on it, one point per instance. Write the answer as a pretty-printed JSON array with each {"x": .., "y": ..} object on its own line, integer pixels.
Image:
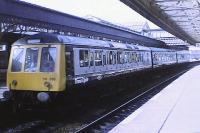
[{"x": 36, "y": 68}]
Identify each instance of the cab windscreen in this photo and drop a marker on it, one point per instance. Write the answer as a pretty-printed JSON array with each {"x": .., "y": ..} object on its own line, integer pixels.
[
  {"x": 31, "y": 60},
  {"x": 17, "y": 59}
]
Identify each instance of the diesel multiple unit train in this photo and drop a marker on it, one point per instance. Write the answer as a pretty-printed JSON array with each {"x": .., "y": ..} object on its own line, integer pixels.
[{"x": 46, "y": 64}]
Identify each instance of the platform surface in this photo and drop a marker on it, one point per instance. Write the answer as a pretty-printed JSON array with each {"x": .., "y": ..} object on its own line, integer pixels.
[{"x": 176, "y": 109}]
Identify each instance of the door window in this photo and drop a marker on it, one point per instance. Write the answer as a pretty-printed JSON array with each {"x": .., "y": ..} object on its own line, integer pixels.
[
  {"x": 84, "y": 58},
  {"x": 48, "y": 59}
]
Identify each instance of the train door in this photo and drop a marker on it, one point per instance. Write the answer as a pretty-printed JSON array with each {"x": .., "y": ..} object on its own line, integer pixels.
[{"x": 69, "y": 62}]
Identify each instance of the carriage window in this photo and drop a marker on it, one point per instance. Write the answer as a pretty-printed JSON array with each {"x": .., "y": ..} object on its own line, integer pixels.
[
  {"x": 155, "y": 56},
  {"x": 140, "y": 57},
  {"x": 129, "y": 58},
  {"x": 91, "y": 59},
  {"x": 114, "y": 58},
  {"x": 104, "y": 59},
  {"x": 110, "y": 57},
  {"x": 98, "y": 58},
  {"x": 134, "y": 57},
  {"x": 84, "y": 58},
  {"x": 107, "y": 56},
  {"x": 48, "y": 59},
  {"x": 120, "y": 58},
  {"x": 126, "y": 57},
  {"x": 31, "y": 60},
  {"x": 17, "y": 59},
  {"x": 147, "y": 57}
]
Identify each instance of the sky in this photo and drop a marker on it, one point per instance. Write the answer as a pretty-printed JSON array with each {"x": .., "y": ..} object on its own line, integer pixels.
[{"x": 110, "y": 10}]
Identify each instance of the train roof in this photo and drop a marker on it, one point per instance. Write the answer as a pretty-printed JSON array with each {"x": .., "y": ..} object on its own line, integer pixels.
[
  {"x": 183, "y": 51},
  {"x": 48, "y": 38},
  {"x": 161, "y": 49}
]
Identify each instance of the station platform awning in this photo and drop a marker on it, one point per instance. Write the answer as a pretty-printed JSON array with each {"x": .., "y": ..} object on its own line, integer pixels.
[{"x": 179, "y": 17}]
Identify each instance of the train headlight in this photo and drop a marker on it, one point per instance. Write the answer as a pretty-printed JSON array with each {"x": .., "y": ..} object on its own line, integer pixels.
[{"x": 43, "y": 96}]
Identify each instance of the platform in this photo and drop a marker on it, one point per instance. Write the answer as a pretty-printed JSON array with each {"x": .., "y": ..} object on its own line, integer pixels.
[{"x": 176, "y": 109}]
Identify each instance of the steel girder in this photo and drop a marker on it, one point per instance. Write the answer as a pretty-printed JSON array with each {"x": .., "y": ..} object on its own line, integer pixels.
[{"x": 26, "y": 17}]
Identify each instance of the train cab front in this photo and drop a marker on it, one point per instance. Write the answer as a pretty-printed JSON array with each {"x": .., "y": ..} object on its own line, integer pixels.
[{"x": 35, "y": 72}]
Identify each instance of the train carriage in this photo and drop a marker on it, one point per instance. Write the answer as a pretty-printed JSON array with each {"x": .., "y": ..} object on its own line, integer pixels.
[
  {"x": 46, "y": 63},
  {"x": 183, "y": 56},
  {"x": 163, "y": 56}
]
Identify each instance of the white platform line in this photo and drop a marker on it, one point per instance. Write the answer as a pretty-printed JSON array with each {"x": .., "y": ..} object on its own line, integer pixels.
[
  {"x": 132, "y": 116},
  {"x": 154, "y": 98}
]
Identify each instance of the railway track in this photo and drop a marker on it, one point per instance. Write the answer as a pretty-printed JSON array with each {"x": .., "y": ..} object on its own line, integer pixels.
[
  {"x": 84, "y": 121},
  {"x": 106, "y": 122}
]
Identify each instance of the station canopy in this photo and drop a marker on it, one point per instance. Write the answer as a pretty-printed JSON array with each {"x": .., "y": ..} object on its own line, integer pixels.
[{"x": 179, "y": 17}]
